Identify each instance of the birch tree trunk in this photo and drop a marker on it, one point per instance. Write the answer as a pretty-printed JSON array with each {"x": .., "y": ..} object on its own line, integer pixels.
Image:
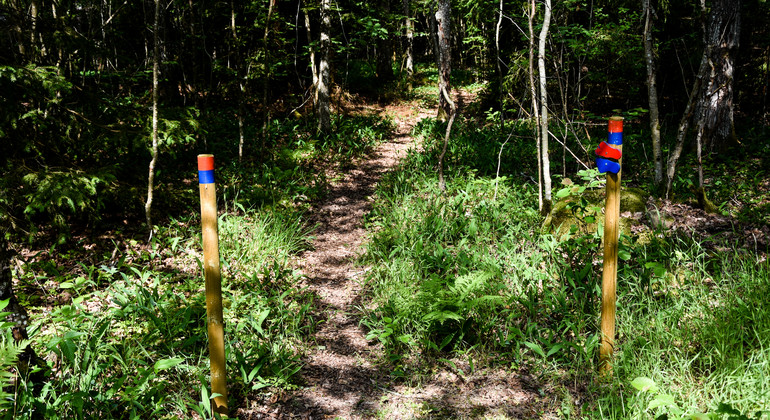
[
  {"x": 535, "y": 109},
  {"x": 155, "y": 75},
  {"x": 498, "y": 60},
  {"x": 324, "y": 76},
  {"x": 652, "y": 93},
  {"x": 547, "y": 201}
]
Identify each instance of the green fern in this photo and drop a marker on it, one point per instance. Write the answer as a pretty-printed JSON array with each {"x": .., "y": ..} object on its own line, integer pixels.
[
  {"x": 10, "y": 350},
  {"x": 470, "y": 283},
  {"x": 453, "y": 303}
]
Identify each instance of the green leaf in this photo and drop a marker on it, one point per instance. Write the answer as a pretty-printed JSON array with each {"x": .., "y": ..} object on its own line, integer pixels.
[
  {"x": 562, "y": 193},
  {"x": 535, "y": 348},
  {"x": 167, "y": 363},
  {"x": 644, "y": 384},
  {"x": 553, "y": 350},
  {"x": 661, "y": 400},
  {"x": 262, "y": 316}
]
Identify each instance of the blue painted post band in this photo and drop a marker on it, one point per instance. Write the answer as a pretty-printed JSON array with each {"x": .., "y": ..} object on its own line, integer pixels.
[
  {"x": 206, "y": 177},
  {"x": 615, "y": 138},
  {"x": 605, "y": 165}
]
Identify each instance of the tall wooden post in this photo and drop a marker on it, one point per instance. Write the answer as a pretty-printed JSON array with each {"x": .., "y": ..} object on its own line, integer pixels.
[
  {"x": 611, "y": 149},
  {"x": 211, "y": 269}
]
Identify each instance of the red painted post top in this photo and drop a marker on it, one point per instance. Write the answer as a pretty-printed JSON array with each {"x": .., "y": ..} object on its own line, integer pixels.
[
  {"x": 616, "y": 125},
  {"x": 205, "y": 162}
]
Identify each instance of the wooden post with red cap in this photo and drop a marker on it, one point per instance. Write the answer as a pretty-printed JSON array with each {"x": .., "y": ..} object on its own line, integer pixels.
[
  {"x": 611, "y": 221},
  {"x": 214, "y": 319}
]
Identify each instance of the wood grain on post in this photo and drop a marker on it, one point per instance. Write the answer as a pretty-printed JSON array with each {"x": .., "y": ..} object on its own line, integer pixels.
[
  {"x": 610, "y": 267},
  {"x": 212, "y": 272}
]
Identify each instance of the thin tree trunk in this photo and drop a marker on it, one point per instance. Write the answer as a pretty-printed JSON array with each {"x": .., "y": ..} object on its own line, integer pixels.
[
  {"x": 409, "y": 40},
  {"x": 241, "y": 84},
  {"x": 324, "y": 79},
  {"x": 652, "y": 93},
  {"x": 692, "y": 104},
  {"x": 535, "y": 108},
  {"x": 443, "y": 20},
  {"x": 684, "y": 126},
  {"x": 385, "y": 46},
  {"x": 433, "y": 38},
  {"x": 155, "y": 75},
  {"x": 701, "y": 190},
  {"x": 268, "y": 75},
  {"x": 313, "y": 66},
  {"x": 499, "y": 64},
  {"x": 547, "y": 202},
  {"x": 33, "y": 15}
]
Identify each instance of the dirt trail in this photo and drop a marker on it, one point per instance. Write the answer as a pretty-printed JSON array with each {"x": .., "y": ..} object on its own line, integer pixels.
[{"x": 341, "y": 375}]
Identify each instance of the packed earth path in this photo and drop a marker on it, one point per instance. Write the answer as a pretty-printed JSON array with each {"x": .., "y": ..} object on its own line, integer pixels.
[{"x": 347, "y": 376}]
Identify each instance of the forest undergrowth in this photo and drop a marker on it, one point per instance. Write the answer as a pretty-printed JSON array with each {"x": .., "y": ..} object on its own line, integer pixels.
[
  {"x": 466, "y": 278},
  {"x": 469, "y": 274}
]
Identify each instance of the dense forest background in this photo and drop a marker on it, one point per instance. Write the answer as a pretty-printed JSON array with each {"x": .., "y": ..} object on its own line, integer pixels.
[{"x": 105, "y": 105}]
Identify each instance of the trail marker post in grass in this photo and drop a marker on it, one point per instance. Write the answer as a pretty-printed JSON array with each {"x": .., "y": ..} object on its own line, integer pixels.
[
  {"x": 213, "y": 276},
  {"x": 609, "y": 161}
]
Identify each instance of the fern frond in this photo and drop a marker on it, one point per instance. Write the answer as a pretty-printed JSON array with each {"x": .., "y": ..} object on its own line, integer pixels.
[
  {"x": 10, "y": 350},
  {"x": 470, "y": 283}
]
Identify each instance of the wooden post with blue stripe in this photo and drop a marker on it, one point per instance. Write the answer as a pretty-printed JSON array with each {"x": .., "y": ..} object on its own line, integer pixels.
[
  {"x": 609, "y": 161},
  {"x": 213, "y": 276}
]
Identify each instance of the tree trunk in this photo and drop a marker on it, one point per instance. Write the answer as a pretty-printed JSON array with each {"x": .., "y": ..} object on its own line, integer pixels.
[
  {"x": 409, "y": 24},
  {"x": 241, "y": 81},
  {"x": 652, "y": 93},
  {"x": 547, "y": 202},
  {"x": 692, "y": 104},
  {"x": 385, "y": 46},
  {"x": 684, "y": 126},
  {"x": 443, "y": 21},
  {"x": 324, "y": 77},
  {"x": 535, "y": 109},
  {"x": 267, "y": 77},
  {"x": 33, "y": 16},
  {"x": 313, "y": 66},
  {"x": 722, "y": 38},
  {"x": 433, "y": 38},
  {"x": 498, "y": 60},
  {"x": 155, "y": 75}
]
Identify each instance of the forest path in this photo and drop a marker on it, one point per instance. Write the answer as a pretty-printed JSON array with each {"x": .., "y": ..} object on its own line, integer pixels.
[
  {"x": 344, "y": 375},
  {"x": 341, "y": 375}
]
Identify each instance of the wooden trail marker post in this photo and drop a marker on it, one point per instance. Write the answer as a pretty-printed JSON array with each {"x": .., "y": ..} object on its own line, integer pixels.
[
  {"x": 212, "y": 272},
  {"x": 612, "y": 149}
]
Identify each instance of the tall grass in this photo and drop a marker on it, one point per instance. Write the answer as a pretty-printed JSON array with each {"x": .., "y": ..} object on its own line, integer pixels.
[
  {"x": 471, "y": 269},
  {"x": 132, "y": 343}
]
